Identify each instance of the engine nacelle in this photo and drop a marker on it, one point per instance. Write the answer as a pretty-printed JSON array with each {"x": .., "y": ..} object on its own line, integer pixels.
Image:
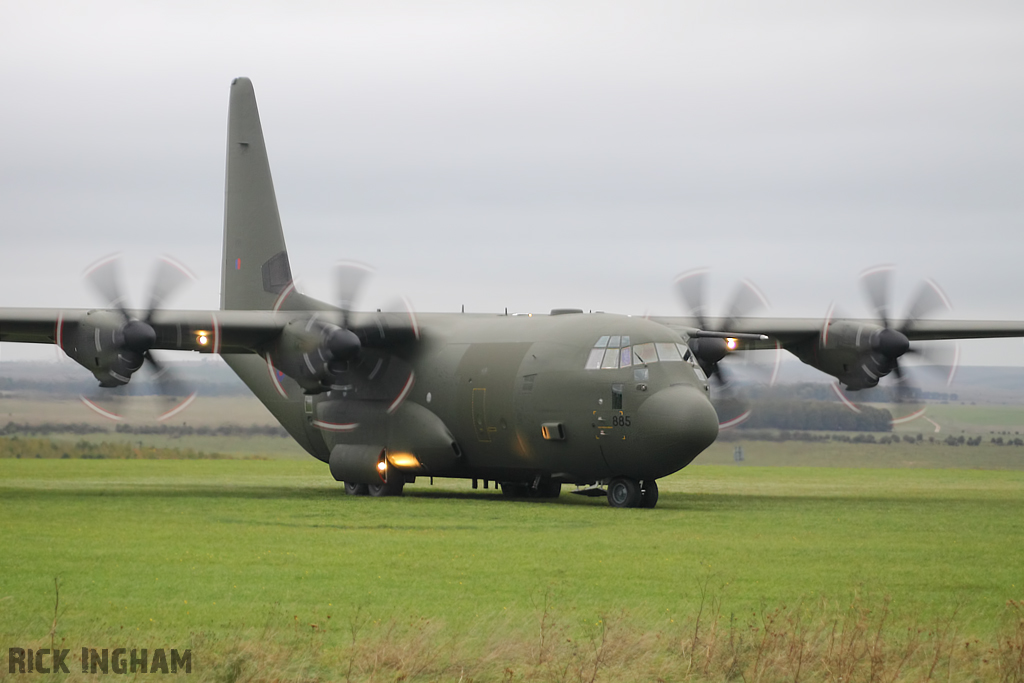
[
  {"x": 359, "y": 463},
  {"x": 109, "y": 346},
  {"x": 313, "y": 352},
  {"x": 857, "y": 354},
  {"x": 708, "y": 351},
  {"x": 420, "y": 438}
]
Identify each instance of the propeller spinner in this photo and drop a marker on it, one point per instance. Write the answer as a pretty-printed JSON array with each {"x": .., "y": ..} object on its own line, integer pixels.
[
  {"x": 711, "y": 347},
  {"x": 890, "y": 343},
  {"x": 114, "y": 344}
]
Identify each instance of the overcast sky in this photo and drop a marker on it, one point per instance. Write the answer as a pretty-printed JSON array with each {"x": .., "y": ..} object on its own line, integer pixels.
[{"x": 529, "y": 155}]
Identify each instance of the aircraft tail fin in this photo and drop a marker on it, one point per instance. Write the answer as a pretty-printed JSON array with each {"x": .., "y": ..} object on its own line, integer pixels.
[{"x": 256, "y": 274}]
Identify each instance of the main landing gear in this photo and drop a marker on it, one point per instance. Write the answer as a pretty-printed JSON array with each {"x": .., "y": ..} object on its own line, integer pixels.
[
  {"x": 545, "y": 488},
  {"x": 624, "y": 492},
  {"x": 391, "y": 488}
]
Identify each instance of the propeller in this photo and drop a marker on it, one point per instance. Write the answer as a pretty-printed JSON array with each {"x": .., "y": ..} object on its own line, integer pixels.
[
  {"x": 710, "y": 347},
  {"x": 341, "y": 343},
  {"x": 891, "y": 343},
  {"x": 358, "y": 358},
  {"x": 135, "y": 337}
]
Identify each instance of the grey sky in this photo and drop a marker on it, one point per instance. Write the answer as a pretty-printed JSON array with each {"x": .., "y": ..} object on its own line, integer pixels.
[{"x": 529, "y": 155}]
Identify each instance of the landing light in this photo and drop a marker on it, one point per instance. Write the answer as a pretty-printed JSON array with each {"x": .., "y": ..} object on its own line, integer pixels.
[
  {"x": 202, "y": 338},
  {"x": 382, "y": 465},
  {"x": 731, "y": 343},
  {"x": 403, "y": 460}
]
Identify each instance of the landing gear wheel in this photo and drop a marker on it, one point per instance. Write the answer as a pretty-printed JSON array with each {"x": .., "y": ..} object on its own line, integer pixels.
[
  {"x": 624, "y": 492},
  {"x": 547, "y": 489},
  {"x": 650, "y": 493},
  {"x": 355, "y": 489},
  {"x": 515, "y": 490},
  {"x": 391, "y": 488}
]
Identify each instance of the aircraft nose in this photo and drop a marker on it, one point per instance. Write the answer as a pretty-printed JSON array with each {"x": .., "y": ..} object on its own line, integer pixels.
[{"x": 674, "y": 426}]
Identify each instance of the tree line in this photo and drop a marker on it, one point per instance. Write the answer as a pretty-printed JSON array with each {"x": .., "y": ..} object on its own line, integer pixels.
[
  {"x": 816, "y": 416},
  {"x": 166, "y": 430},
  {"x": 20, "y": 447}
]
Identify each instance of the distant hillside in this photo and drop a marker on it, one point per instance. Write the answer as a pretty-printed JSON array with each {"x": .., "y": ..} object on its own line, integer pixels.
[
  {"x": 212, "y": 377},
  {"x": 980, "y": 384}
]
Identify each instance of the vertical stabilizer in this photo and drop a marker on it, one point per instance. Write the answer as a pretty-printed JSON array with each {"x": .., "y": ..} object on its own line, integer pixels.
[{"x": 255, "y": 271}]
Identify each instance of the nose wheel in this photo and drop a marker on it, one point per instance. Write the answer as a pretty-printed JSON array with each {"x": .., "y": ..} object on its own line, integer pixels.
[{"x": 624, "y": 492}]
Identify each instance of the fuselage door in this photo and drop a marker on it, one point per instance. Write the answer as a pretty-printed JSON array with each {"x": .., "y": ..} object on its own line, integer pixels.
[{"x": 609, "y": 420}]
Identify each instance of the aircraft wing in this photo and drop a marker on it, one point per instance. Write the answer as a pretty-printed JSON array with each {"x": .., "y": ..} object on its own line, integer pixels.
[
  {"x": 202, "y": 331},
  {"x": 786, "y": 331}
]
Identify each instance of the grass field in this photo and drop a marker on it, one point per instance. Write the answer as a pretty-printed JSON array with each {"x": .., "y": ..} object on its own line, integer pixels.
[
  {"x": 266, "y": 571},
  {"x": 976, "y": 418}
]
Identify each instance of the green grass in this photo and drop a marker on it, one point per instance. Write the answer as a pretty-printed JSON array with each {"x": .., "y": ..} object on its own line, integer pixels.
[
  {"x": 979, "y": 418},
  {"x": 159, "y": 551}
]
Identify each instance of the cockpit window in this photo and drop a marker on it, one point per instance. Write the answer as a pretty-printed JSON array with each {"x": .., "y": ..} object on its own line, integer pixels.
[
  {"x": 668, "y": 352},
  {"x": 643, "y": 354},
  {"x": 614, "y": 351}
]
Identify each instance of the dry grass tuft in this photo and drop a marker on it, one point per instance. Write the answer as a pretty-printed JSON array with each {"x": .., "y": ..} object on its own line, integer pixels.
[{"x": 821, "y": 642}]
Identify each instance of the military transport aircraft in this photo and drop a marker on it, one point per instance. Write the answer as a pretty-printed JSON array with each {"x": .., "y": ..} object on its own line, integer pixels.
[{"x": 610, "y": 403}]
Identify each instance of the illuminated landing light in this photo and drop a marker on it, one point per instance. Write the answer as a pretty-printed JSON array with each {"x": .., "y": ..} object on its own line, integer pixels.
[
  {"x": 401, "y": 460},
  {"x": 202, "y": 337},
  {"x": 731, "y": 343},
  {"x": 382, "y": 466}
]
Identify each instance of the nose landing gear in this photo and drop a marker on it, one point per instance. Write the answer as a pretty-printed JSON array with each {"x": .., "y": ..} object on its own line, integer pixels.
[{"x": 624, "y": 492}]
